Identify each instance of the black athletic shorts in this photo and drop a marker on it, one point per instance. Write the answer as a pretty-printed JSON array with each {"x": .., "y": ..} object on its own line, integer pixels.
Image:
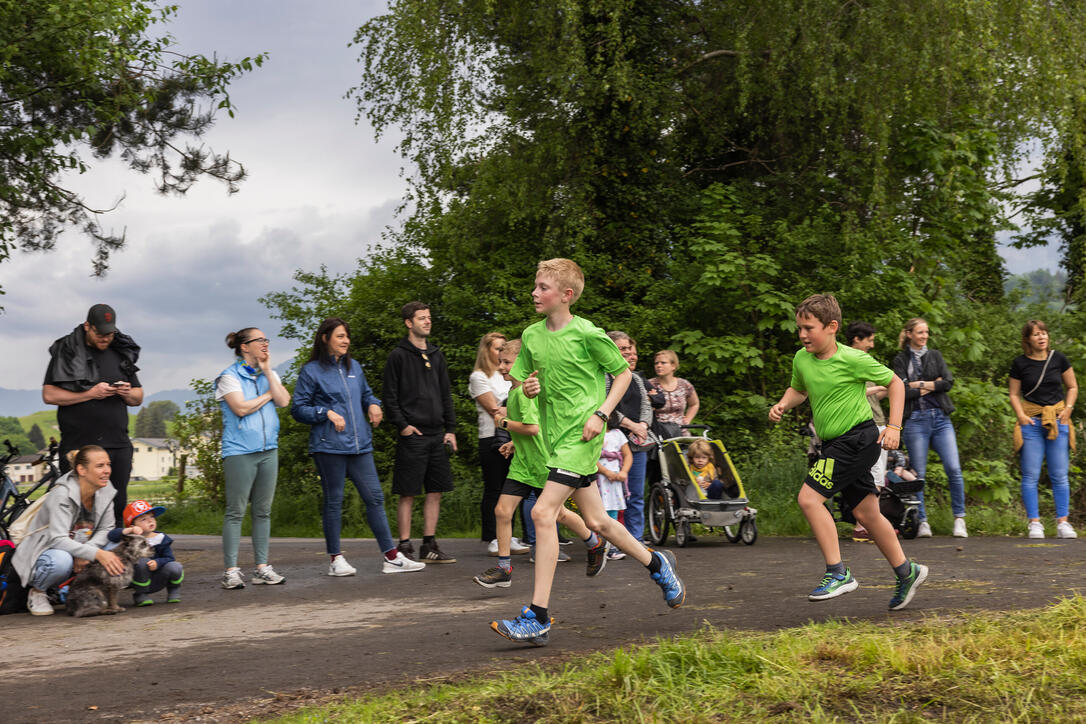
[
  {"x": 517, "y": 488},
  {"x": 570, "y": 478},
  {"x": 422, "y": 464},
  {"x": 845, "y": 465}
]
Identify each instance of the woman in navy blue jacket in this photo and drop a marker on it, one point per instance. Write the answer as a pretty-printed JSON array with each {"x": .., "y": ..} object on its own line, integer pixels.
[{"x": 330, "y": 396}]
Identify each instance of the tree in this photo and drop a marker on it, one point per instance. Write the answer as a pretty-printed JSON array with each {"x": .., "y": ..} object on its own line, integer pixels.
[
  {"x": 199, "y": 433},
  {"x": 151, "y": 420},
  {"x": 97, "y": 76},
  {"x": 12, "y": 431},
  {"x": 36, "y": 437}
]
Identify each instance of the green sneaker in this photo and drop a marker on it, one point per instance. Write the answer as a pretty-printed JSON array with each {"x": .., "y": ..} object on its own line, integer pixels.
[
  {"x": 142, "y": 599},
  {"x": 834, "y": 585},
  {"x": 906, "y": 587}
]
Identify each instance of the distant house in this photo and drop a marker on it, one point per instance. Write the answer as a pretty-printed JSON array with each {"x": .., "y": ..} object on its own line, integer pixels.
[
  {"x": 22, "y": 468},
  {"x": 151, "y": 457}
]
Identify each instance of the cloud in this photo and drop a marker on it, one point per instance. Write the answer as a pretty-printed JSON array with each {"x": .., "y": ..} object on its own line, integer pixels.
[{"x": 320, "y": 191}]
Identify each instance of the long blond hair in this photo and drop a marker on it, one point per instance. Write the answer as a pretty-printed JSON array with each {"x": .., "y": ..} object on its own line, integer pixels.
[
  {"x": 909, "y": 327},
  {"x": 482, "y": 357}
]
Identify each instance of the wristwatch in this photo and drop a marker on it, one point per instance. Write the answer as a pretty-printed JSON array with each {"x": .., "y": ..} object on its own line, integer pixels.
[
  {"x": 600, "y": 414},
  {"x": 504, "y": 423}
]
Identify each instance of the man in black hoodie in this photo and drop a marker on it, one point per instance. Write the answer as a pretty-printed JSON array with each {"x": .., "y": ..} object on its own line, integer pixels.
[{"x": 418, "y": 401}]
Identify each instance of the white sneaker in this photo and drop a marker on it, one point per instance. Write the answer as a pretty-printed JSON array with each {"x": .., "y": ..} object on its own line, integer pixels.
[
  {"x": 924, "y": 531},
  {"x": 517, "y": 548},
  {"x": 340, "y": 567},
  {"x": 38, "y": 603},
  {"x": 1036, "y": 529},
  {"x": 401, "y": 564},
  {"x": 232, "y": 579},
  {"x": 267, "y": 575},
  {"x": 492, "y": 548},
  {"x": 959, "y": 528},
  {"x": 1064, "y": 530}
]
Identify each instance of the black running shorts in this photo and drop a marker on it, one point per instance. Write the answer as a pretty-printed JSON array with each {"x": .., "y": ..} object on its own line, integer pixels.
[
  {"x": 845, "y": 465},
  {"x": 517, "y": 488},
  {"x": 422, "y": 464},
  {"x": 570, "y": 478}
]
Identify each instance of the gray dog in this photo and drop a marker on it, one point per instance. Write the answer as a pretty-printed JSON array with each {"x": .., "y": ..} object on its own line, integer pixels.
[{"x": 94, "y": 591}]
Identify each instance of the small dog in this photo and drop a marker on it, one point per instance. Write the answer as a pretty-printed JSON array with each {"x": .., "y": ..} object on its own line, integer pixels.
[{"x": 93, "y": 591}]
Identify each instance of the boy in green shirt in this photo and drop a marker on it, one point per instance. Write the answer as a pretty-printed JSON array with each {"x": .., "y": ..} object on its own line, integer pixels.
[
  {"x": 527, "y": 472},
  {"x": 563, "y": 359},
  {"x": 834, "y": 377}
]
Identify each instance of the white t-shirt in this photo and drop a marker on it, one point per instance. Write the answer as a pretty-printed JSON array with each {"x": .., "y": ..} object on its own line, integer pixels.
[
  {"x": 230, "y": 383},
  {"x": 480, "y": 384}
]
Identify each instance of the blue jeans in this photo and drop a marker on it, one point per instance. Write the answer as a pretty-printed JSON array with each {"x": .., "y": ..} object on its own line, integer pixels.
[
  {"x": 932, "y": 428},
  {"x": 52, "y": 568},
  {"x": 1036, "y": 448},
  {"x": 334, "y": 470},
  {"x": 634, "y": 517}
]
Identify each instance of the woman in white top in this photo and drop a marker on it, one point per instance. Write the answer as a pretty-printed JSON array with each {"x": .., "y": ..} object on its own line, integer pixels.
[{"x": 490, "y": 390}]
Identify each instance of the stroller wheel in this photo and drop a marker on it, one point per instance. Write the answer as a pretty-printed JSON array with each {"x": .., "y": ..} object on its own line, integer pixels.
[
  {"x": 910, "y": 526},
  {"x": 748, "y": 531},
  {"x": 731, "y": 532},
  {"x": 657, "y": 514}
]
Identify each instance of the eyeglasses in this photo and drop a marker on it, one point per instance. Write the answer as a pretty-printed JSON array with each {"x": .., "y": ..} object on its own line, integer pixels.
[{"x": 257, "y": 340}]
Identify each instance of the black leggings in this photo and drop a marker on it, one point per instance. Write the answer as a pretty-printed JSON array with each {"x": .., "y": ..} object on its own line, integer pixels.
[{"x": 495, "y": 471}]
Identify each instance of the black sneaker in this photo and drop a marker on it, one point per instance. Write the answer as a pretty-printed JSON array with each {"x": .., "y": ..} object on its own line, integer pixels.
[
  {"x": 597, "y": 558},
  {"x": 407, "y": 549},
  {"x": 496, "y": 577},
  {"x": 563, "y": 541},
  {"x": 430, "y": 553}
]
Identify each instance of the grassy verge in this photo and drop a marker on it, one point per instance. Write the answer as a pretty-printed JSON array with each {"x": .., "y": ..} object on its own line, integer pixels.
[{"x": 1023, "y": 666}]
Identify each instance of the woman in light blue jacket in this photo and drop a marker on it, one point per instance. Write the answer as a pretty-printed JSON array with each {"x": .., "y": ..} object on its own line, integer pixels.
[
  {"x": 330, "y": 396},
  {"x": 250, "y": 450}
]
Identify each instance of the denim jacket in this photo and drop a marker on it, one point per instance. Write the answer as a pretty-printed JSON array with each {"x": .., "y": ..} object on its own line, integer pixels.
[
  {"x": 256, "y": 432},
  {"x": 325, "y": 385}
]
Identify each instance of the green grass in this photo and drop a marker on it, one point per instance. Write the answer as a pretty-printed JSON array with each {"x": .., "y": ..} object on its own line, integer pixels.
[{"x": 1022, "y": 666}]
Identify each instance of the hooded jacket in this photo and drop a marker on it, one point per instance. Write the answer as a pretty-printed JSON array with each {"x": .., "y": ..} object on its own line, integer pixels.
[
  {"x": 52, "y": 526},
  {"x": 417, "y": 390},
  {"x": 72, "y": 367},
  {"x": 325, "y": 385}
]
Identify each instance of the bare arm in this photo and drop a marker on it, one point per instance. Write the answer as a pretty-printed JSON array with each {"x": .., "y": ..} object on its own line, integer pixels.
[
  {"x": 278, "y": 394},
  {"x": 891, "y": 436},
  {"x": 594, "y": 425},
  {"x": 53, "y": 395},
  {"x": 693, "y": 404},
  {"x": 791, "y": 398},
  {"x": 1070, "y": 395},
  {"x": 1014, "y": 393},
  {"x": 241, "y": 407}
]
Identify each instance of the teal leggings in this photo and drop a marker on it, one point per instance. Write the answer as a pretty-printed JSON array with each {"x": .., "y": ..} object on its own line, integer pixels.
[{"x": 249, "y": 478}]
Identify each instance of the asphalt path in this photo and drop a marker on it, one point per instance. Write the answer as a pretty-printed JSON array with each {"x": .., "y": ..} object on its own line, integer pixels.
[{"x": 229, "y": 655}]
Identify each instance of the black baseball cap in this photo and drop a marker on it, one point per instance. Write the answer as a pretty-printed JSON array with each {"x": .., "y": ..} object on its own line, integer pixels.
[{"x": 102, "y": 318}]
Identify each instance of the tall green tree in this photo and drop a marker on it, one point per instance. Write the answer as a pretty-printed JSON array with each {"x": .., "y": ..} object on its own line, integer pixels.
[
  {"x": 12, "y": 431},
  {"x": 36, "y": 437},
  {"x": 151, "y": 420},
  {"x": 96, "y": 79}
]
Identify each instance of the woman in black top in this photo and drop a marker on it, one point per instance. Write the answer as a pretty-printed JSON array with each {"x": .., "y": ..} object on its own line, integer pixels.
[
  {"x": 927, "y": 417},
  {"x": 1042, "y": 390}
]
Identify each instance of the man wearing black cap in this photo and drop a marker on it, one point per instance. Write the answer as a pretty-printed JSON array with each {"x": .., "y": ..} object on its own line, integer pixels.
[{"x": 92, "y": 379}]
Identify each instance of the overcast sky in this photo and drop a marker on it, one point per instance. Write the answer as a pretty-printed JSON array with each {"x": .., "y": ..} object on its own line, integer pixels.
[{"x": 320, "y": 191}]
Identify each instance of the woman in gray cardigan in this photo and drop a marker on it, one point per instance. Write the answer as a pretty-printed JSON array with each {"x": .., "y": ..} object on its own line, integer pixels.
[{"x": 69, "y": 529}]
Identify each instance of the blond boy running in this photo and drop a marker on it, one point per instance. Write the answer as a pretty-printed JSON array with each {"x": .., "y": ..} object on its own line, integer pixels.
[{"x": 562, "y": 361}]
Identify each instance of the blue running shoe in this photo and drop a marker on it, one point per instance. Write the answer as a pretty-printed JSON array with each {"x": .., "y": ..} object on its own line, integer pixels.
[
  {"x": 834, "y": 585},
  {"x": 525, "y": 628},
  {"x": 906, "y": 587},
  {"x": 674, "y": 590}
]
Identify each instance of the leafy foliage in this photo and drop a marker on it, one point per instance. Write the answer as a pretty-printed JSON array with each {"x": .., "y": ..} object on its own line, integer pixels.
[
  {"x": 151, "y": 420},
  {"x": 199, "y": 432},
  {"x": 94, "y": 76}
]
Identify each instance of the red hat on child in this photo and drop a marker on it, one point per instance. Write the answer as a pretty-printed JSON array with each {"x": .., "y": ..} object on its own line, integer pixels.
[{"x": 137, "y": 508}]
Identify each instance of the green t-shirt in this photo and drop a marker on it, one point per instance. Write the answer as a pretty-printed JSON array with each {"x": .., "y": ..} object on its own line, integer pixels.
[
  {"x": 571, "y": 364},
  {"x": 836, "y": 387},
  {"x": 529, "y": 464}
]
